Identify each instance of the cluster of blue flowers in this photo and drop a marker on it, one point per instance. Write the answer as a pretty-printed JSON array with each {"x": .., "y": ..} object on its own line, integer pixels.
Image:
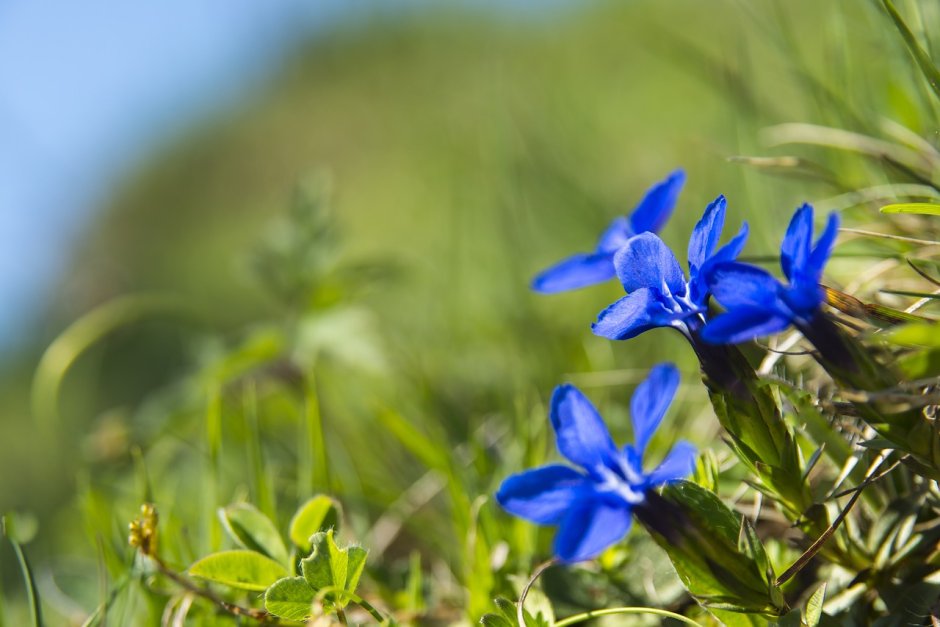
[{"x": 592, "y": 506}]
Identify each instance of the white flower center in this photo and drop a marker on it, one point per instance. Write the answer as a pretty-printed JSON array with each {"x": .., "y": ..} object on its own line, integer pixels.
[{"x": 612, "y": 482}]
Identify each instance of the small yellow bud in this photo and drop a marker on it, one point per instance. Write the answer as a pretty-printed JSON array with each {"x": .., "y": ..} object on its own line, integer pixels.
[{"x": 143, "y": 530}]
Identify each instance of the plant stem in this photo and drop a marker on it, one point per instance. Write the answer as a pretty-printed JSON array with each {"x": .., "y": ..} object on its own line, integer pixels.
[
  {"x": 377, "y": 615},
  {"x": 235, "y": 610},
  {"x": 815, "y": 547},
  {"x": 214, "y": 445},
  {"x": 541, "y": 568},
  {"x": 578, "y": 618}
]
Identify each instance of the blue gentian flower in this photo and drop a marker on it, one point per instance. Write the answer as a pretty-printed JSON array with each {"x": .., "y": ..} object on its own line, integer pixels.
[
  {"x": 592, "y": 506},
  {"x": 586, "y": 269},
  {"x": 658, "y": 294},
  {"x": 758, "y": 304}
]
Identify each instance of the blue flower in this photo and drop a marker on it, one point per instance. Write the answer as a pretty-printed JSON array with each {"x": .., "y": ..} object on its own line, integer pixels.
[
  {"x": 758, "y": 304},
  {"x": 592, "y": 506},
  {"x": 586, "y": 269},
  {"x": 658, "y": 294}
]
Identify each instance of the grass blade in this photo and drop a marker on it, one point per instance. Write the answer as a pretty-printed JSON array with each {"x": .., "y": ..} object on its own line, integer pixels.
[
  {"x": 924, "y": 62},
  {"x": 28, "y": 578},
  {"x": 919, "y": 208}
]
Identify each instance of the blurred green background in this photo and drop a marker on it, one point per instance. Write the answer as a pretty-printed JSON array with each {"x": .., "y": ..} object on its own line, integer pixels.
[{"x": 455, "y": 152}]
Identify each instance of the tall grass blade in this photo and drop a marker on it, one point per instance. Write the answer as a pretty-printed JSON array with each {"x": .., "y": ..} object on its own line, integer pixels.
[
  {"x": 214, "y": 442},
  {"x": 28, "y": 578},
  {"x": 314, "y": 466},
  {"x": 263, "y": 493},
  {"x": 924, "y": 62},
  {"x": 80, "y": 336}
]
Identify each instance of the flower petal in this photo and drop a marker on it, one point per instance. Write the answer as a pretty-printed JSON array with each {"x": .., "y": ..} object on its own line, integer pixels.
[
  {"x": 700, "y": 279},
  {"x": 737, "y": 284},
  {"x": 631, "y": 315},
  {"x": 731, "y": 250},
  {"x": 823, "y": 248},
  {"x": 650, "y": 401},
  {"x": 543, "y": 495},
  {"x": 803, "y": 298},
  {"x": 615, "y": 236},
  {"x": 706, "y": 234},
  {"x": 795, "y": 248},
  {"x": 678, "y": 464},
  {"x": 574, "y": 272},
  {"x": 743, "y": 324},
  {"x": 592, "y": 525},
  {"x": 645, "y": 261},
  {"x": 581, "y": 433},
  {"x": 657, "y": 205}
]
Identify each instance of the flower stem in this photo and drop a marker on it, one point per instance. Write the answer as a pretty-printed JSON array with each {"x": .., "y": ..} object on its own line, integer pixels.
[
  {"x": 235, "y": 610},
  {"x": 578, "y": 618},
  {"x": 541, "y": 568}
]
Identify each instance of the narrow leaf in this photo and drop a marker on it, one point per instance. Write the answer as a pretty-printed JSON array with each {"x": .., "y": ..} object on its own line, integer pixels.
[
  {"x": 919, "y": 208},
  {"x": 28, "y": 578},
  {"x": 927, "y": 68},
  {"x": 814, "y": 607}
]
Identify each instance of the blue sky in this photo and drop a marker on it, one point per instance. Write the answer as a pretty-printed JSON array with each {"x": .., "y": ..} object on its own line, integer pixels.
[{"x": 90, "y": 88}]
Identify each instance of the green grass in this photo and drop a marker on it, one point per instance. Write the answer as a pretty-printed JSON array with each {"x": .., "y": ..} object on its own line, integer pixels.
[{"x": 462, "y": 155}]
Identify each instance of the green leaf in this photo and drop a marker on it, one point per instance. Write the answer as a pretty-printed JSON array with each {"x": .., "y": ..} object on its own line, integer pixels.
[
  {"x": 740, "y": 619},
  {"x": 317, "y": 514},
  {"x": 494, "y": 620},
  {"x": 326, "y": 566},
  {"x": 814, "y": 606},
  {"x": 915, "y": 334},
  {"x": 538, "y": 607},
  {"x": 750, "y": 545},
  {"x": 414, "y": 589},
  {"x": 508, "y": 617},
  {"x": 356, "y": 556},
  {"x": 253, "y": 530},
  {"x": 927, "y": 68},
  {"x": 330, "y": 567},
  {"x": 920, "y": 208},
  {"x": 717, "y": 556},
  {"x": 32, "y": 591},
  {"x": 246, "y": 570},
  {"x": 920, "y": 365},
  {"x": 290, "y": 598}
]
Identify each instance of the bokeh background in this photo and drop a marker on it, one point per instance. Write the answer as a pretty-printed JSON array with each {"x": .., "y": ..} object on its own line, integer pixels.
[{"x": 357, "y": 194}]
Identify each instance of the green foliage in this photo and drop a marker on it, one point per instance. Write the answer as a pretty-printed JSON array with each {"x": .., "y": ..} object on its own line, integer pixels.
[
  {"x": 924, "y": 62},
  {"x": 253, "y": 530},
  {"x": 245, "y": 570},
  {"x": 716, "y": 552},
  {"x": 378, "y": 346},
  {"x": 812, "y": 613},
  {"x": 320, "y": 512},
  {"x": 508, "y": 616},
  {"x": 291, "y": 598},
  {"x": 330, "y": 568},
  {"x": 10, "y": 530},
  {"x": 918, "y": 208}
]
